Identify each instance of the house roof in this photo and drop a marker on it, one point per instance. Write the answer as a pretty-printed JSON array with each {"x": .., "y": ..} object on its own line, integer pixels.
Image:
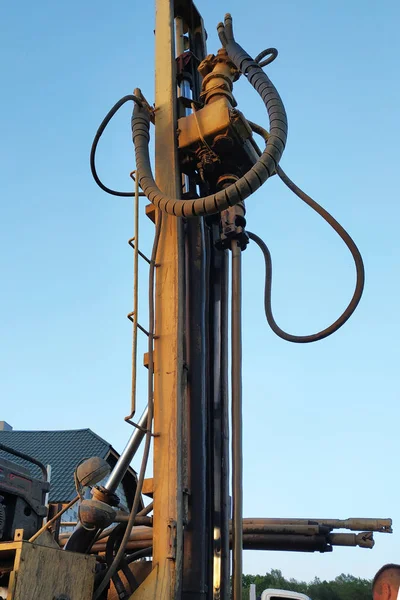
[{"x": 63, "y": 450}]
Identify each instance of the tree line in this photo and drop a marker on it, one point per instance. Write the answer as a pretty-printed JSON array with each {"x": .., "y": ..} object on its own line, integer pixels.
[{"x": 343, "y": 587}]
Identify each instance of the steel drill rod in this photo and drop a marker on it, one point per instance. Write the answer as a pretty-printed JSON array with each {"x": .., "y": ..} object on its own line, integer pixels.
[
  {"x": 379, "y": 525},
  {"x": 297, "y": 543},
  {"x": 278, "y": 543},
  {"x": 139, "y": 520},
  {"x": 282, "y": 527},
  {"x": 364, "y": 539},
  {"x": 122, "y": 465},
  {"x": 142, "y": 537},
  {"x": 146, "y": 510},
  {"x": 286, "y": 529},
  {"x": 382, "y": 525},
  {"x": 225, "y": 498},
  {"x": 237, "y": 456},
  {"x": 131, "y": 545},
  {"x": 120, "y": 517},
  {"x": 290, "y": 543}
]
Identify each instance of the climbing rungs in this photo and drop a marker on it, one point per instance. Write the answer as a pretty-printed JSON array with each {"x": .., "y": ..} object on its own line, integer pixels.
[
  {"x": 131, "y": 316},
  {"x": 131, "y": 242}
]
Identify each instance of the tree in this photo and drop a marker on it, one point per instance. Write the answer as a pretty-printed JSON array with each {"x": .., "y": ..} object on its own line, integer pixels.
[{"x": 343, "y": 587}]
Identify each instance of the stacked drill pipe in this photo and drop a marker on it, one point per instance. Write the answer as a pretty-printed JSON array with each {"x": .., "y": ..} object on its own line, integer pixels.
[{"x": 296, "y": 535}]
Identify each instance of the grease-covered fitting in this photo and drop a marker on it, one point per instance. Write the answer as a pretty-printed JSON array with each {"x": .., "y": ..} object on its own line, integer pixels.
[{"x": 219, "y": 73}]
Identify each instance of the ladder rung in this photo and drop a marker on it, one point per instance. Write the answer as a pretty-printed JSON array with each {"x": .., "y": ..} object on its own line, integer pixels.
[
  {"x": 132, "y": 244},
  {"x": 132, "y": 176},
  {"x": 130, "y": 317}
]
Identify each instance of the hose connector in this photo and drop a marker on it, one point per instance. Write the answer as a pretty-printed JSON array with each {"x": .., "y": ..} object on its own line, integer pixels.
[{"x": 251, "y": 181}]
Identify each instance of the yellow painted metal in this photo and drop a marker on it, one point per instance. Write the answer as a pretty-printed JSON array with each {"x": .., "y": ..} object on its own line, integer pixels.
[
  {"x": 210, "y": 120},
  {"x": 152, "y": 587},
  {"x": 165, "y": 579}
]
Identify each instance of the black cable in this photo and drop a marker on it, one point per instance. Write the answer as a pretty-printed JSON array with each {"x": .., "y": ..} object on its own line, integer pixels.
[
  {"x": 113, "y": 543},
  {"x": 304, "y": 339},
  {"x": 119, "y": 586},
  {"x": 114, "y": 539},
  {"x": 131, "y": 579},
  {"x": 342, "y": 233},
  {"x": 97, "y": 137},
  {"x": 143, "y": 553}
]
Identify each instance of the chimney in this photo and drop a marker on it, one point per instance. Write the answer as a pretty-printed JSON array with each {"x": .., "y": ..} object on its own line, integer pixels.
[{"x": 4, "y": 426}]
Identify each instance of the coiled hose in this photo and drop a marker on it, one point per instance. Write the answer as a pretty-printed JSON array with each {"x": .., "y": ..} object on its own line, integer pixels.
[
  {"x": 254, "y": 178},
  {"x": 358, "y": 261}
]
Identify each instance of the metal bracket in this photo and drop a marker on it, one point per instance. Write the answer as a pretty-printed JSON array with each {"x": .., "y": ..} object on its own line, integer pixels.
[
  {"x": 232, "y": 227},
  {"x": 172, "y": 539}
]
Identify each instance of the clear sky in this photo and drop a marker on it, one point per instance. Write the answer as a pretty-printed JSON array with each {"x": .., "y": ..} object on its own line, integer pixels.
[{"x": 320, "y": 421}]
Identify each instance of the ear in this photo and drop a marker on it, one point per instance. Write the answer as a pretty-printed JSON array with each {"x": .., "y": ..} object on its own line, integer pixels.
[
  {"x": 387, "y": 592},
  {"x": 382, "y": 591}
]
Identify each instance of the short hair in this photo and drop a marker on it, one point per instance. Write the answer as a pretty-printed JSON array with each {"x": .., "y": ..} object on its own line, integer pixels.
[{"x": 382, "y": 570}]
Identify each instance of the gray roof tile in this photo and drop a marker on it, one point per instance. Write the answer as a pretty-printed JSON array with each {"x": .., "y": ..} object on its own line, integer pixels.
[{"x": 63, "y": 450}]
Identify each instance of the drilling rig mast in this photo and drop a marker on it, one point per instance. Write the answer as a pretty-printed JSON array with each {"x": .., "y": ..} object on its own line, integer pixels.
[{"x": 207, "y": 163}]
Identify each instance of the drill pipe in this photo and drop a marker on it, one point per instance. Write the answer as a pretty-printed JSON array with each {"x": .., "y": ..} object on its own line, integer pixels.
[
  {"x": 364, "y": 539},
  {"x": 380, "y": 525},
  {"x": 295, "y": 543},
  {"x": 304, "y": 527},
  {"x": 142, "y": 537}
]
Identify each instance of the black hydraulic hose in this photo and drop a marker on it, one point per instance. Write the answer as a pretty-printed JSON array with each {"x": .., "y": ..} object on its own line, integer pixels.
[
  {"x": 143, "y": 553},
  {"x": 342, "y": 233},
  {"x": 131, "y": 579},
  {"x": 304, "y": 339},
  {"x": 119, "y": 586},
  {"x": 82, "y": 539},
  {"x": 254, "y": 178},
  {"x": 115, "y": 537},
  {"x": 114, "y": 540},
  {"x": 301, "y": 339},
  {"x": 97, "y": 137}
]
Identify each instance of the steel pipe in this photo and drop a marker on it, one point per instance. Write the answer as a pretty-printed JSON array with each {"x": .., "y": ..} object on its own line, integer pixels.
[
  {"x": 237, "y": 454},
  {"x": 121, "y": 467}
]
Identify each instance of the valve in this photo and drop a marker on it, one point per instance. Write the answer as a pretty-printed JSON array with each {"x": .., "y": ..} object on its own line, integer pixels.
[{"x": 232, "y": 220}]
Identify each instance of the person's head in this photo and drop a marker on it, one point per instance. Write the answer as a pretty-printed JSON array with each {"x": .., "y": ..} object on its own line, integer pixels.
[{"x": 386, "y": 583}]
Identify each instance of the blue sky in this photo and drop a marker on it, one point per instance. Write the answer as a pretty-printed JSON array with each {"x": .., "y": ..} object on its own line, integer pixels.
[{"x": 321, "y": 420}]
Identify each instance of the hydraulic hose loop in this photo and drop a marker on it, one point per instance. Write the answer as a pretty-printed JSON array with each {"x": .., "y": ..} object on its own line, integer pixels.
[
  {"x": 358, "y": 261},
  {"x": 272, "y": 52},
  {"x": 111, "y": 113},
  {"x": 301, "y": 339},
  {"x": 253, "y": 179}
]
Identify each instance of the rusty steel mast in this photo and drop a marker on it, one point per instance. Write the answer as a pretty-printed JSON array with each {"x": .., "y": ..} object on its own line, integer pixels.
[
  {"x": 195, "y": 519},
  {"x": 191, "y": 505},
  {"x": 207, "y": 163}
]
